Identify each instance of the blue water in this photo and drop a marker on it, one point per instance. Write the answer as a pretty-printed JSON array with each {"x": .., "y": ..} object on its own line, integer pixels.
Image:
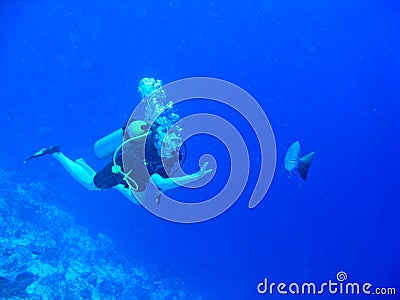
[{"x": 326, "y": 73}]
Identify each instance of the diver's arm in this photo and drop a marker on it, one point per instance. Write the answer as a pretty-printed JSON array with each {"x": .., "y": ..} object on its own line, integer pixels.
[{"x": 170, "y": 183}]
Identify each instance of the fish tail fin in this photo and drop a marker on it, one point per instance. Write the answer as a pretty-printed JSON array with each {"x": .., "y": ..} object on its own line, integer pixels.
[{"x": 304, "y": 165}]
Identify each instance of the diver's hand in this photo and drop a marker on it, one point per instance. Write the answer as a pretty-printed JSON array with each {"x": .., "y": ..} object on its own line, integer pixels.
[{"x": 203, "y": 171}]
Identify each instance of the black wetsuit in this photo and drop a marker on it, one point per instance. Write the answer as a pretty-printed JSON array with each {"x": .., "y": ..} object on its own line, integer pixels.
[{"x": 106, "y": 179}]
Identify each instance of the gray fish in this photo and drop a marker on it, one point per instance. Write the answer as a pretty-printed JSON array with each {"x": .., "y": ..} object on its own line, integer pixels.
[{"x": 294, "y": 163}]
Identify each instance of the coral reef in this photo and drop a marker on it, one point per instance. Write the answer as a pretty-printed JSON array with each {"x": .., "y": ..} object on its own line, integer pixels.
[{"x": 45, "y": 255}]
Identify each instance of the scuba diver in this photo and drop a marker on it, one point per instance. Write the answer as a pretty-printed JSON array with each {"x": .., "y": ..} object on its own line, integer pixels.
[{"x": 157, "y": 163}]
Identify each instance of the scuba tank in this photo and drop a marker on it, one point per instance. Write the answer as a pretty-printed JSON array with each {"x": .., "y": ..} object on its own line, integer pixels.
[{"x": 106, "y": 146}]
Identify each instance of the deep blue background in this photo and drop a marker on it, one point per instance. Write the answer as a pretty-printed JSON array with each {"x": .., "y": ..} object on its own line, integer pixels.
[{"x": 326, "y": 73}]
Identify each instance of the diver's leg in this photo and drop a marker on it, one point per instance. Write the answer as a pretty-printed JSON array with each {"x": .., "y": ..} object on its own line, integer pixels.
[
  {"x": 126, "y": 192},
  {"x": 79, "y": 170},
  {"x": 85, "y": 165}
]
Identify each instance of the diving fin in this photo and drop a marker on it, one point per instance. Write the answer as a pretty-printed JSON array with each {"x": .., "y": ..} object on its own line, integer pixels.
[
  {"x": 304, "y": 165},
  {"x": 48, "y": 150}
]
